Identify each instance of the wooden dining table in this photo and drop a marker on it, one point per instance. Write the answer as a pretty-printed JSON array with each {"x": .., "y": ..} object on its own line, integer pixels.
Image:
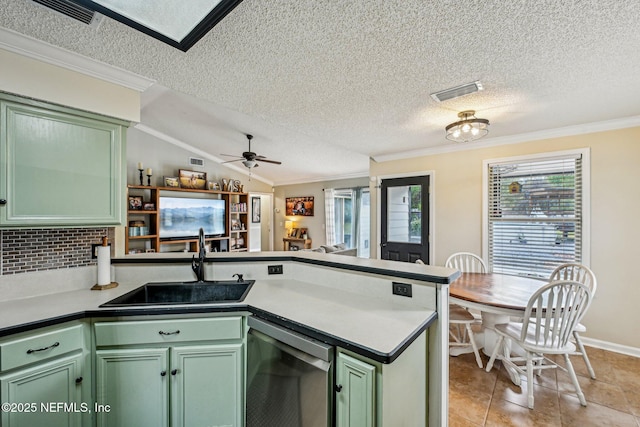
[{"x": 498, "y": 298}]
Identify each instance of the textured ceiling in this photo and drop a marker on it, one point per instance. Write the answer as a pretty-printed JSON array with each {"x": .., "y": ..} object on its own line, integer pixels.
[{"x": 324, "y": 85}]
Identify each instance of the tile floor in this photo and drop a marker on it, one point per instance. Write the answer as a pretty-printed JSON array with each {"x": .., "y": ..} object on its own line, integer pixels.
[{"x": 480, "y": 398}]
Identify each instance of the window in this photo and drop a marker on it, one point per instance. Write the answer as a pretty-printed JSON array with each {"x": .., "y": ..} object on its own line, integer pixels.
[
  {"x": 347, "y": 215},
  {"x": 534, "y": 213}
]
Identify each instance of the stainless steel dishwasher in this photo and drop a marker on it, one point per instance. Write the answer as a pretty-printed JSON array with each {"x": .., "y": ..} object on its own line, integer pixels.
[{"x": 289, "y": 378}]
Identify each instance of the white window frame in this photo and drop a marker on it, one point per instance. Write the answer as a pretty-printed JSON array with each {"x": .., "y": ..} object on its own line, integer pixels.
[{"x": 585, "y": 153}]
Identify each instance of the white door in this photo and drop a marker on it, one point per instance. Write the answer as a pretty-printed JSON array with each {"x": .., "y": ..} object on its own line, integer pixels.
[{"x": 260, "y": 222}]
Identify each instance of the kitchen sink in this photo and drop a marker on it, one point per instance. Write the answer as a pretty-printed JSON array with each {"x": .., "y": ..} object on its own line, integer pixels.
[{"x": 163, "y": 293}]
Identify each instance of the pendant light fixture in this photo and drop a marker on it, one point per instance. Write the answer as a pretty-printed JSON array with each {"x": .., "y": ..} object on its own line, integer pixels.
[{"x": 468, "y": 128}]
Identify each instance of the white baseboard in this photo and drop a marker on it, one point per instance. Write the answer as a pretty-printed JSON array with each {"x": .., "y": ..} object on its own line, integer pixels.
[{"x": 609, "y": 346}]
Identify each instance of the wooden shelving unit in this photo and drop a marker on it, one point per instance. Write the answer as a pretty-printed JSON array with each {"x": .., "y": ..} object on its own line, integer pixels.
[
  {"x": 147, "y": 239},
  {"x": 135, "y": 237},
  {"x": 238, "y": 222}
]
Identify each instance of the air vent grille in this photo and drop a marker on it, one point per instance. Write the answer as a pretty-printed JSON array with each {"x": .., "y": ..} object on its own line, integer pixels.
[
  {"x": 457, "y": 91},
  {"x": 70, "y": 9},
  {"x": 193, "y": 161}
]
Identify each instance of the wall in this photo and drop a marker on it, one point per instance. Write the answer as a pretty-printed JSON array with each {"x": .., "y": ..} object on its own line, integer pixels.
[
  {"x": 316, "y": 223},
  {"x": 35, "y": 79},
  {"x": 166, "y": 159},
  {"x": 457, "y": 195}
]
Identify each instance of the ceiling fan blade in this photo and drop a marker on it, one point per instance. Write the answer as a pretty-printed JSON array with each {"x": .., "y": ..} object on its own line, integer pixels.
[
  {"x": 231, "y": 161},
  {"x": 275, "y": 162}
]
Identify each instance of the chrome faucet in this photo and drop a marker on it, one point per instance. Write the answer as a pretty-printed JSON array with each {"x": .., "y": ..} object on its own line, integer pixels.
[{"x": 198, "y": 265}]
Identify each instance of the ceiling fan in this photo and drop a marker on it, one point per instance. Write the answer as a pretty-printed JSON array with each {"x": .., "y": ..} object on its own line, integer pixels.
[{"x": 249, "y": 158}]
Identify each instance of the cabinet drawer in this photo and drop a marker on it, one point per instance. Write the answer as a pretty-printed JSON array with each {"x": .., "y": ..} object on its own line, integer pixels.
[
  {"x": 40, "y": 346},
  {"x": 167, "y": 331}
]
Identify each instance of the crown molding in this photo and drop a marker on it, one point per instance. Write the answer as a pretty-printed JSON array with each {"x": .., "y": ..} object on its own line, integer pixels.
[
  {"x": 582, "y": 129},
  {"x": 30, "y": 47},
  {"x": 178, "y": 143},
  {"x": 362, "y": 174}
]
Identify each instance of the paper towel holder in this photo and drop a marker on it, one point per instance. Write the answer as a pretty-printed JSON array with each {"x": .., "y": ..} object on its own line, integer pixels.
[{"x": 97, "y": 287}]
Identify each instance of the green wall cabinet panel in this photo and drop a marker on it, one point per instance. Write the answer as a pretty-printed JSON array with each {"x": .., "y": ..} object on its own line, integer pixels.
[
  {"x": 49, "y": 383},
  {"x": 356, "y": 392},
  {"x": 207, "y": 389},
  {"x": 59, "y": 166},
  {"x": 134, "y": 384}
]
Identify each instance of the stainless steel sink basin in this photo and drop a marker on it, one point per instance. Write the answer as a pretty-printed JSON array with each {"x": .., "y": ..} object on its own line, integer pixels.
[{"x": 163, "y": 293}]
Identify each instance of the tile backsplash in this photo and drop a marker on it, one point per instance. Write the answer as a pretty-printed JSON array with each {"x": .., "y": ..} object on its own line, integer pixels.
[{"x": 28, "y": 250}]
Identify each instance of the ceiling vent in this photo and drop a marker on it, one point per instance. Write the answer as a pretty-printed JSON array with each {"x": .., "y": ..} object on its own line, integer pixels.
[
  {"x": 457, "y": 91},
  {"x": 70, "y": 9}
]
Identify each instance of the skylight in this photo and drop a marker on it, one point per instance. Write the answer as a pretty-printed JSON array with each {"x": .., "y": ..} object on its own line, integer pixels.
[{"x": 174, "y": 22}]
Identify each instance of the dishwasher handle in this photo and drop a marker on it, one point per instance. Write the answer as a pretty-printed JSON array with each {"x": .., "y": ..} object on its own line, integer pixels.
[{"x": 293, "y": 339}]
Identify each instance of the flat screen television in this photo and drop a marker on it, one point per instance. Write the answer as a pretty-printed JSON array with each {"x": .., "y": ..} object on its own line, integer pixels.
[{"x": 181, "y": 217}]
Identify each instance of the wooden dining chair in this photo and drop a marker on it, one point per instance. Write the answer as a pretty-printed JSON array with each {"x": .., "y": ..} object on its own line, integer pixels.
[
  {"x": 579, "y": 273},
  {"x": 459, "y": 316},
  {"x": 552, "y": 313}
]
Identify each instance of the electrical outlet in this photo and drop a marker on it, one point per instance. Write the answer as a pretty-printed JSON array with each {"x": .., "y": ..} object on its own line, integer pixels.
[
  {"x": 94, "y": 249},
  {"x": 402, "y": 289},
  {"x": 274, "y": 269}
]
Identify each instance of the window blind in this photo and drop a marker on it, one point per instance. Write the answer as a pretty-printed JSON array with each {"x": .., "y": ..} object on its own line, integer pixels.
[{"x": 535, "y": 215}]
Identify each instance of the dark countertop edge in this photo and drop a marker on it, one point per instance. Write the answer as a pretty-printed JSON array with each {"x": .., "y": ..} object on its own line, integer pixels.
[
  {"x": 385, "y": 358},
  {"x": 325, "y": 263},
  {"x": 377, "y": 356}
]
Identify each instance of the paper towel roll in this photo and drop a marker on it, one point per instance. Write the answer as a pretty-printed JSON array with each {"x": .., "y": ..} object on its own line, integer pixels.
[{"x": 104, "y": 265}]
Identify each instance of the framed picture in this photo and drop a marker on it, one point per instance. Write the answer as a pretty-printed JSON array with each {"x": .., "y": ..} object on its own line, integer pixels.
[
  {"x": 192, "y": 179},
  {"x": 235, "y": 224},
  {"x": 149, "y": 206},
  {"x": 299, "y": 206},
  {"x": 135, "y": 203},
  {"x": 302, "y": 233},
  {"x": 171, "y": 181},
  {"x": 294, "y": 232},
  {"x": 255, "y": 209}
]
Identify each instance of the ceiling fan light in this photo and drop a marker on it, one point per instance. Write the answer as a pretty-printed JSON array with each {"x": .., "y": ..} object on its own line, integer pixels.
[
  {"x": 250, "y": 163},
  {"x": 468, "y": 128}
]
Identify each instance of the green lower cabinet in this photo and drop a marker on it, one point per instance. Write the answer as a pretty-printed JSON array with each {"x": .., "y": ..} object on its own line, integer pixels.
[
  {"x": 182, "y": 386},
  {"x": 47, "y": 394},
  {"x": 132, "y": 387},
  {"x": 355, "y": 392},
  {"x": 207, "y": 389}
]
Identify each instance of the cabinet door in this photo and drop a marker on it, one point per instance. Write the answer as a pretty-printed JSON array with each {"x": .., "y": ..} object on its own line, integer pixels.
[
  {"x": 134, "y": 383},
  {"x": 52, "y": 390},
  {"x": 355, "y": 400},
  {"x": 207, "y": 386},
  {"x": 59, "y": 166}
]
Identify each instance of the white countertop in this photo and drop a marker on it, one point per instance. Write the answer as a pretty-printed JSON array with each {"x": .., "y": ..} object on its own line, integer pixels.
[{"x": 371, "y": 322}]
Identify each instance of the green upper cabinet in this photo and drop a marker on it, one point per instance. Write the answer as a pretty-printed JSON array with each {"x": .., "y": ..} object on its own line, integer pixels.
[{"x": 59, "y": 166}]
